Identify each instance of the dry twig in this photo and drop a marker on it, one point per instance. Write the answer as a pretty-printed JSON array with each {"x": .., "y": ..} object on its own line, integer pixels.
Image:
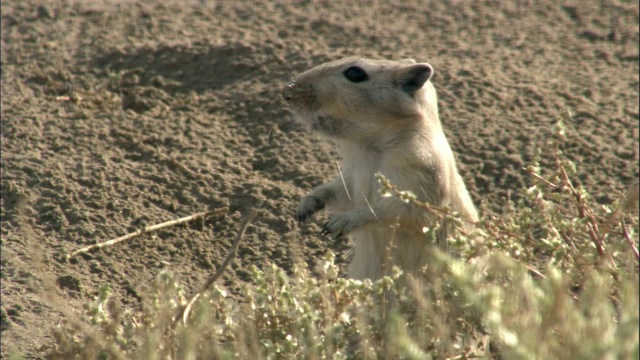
[
  {"x": 545, "y": 181},
  {"x": 184, "y": 312},
  {"x": 585, "y": 212},
  {"x": 148, "y": 229},
  {"x": 630, "y": 240},
  {"x": 628, "y": 204}
]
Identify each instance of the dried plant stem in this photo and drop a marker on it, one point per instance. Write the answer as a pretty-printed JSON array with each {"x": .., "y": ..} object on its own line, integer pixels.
[
  {"x": 628, "y": 204},
  {"x": 630, "y": 240},
  {"x": 148, "y": 229},
  {"x": 584, "y": 213},
  {"x": 535, "y": 272},
  {"x": 439, "y": 213},
  {"x": 184, "y": 313},
  {"x": 466, "y": 355},
  {"x": 545, "y": 181}
]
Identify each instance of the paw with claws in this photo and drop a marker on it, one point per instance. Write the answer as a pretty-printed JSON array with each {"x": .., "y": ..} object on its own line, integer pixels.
[
  {"x": 341, "y": 224},
  {"x": 308, "y": 206}
]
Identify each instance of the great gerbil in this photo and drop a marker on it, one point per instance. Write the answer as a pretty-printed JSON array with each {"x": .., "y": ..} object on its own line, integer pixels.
[{"x": 384, "y": 115}]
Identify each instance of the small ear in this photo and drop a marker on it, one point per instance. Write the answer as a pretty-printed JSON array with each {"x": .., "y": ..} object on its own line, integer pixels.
[
  {"x": 408, "y": 61},
  {"x": 414, "y": 77}
]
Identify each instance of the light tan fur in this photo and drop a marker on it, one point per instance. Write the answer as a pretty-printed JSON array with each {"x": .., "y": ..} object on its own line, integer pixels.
[{"x": 388, "y": 123}]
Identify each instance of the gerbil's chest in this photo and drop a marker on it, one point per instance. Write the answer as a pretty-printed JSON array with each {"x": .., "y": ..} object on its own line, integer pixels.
[{"x": 359, "y": 171}]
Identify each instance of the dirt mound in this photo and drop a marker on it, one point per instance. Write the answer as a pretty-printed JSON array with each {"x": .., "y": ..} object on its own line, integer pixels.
[{"x": 120, "y": 114}]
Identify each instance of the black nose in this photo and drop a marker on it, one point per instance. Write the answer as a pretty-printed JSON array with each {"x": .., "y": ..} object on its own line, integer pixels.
[{"x": 290, "y": 88}]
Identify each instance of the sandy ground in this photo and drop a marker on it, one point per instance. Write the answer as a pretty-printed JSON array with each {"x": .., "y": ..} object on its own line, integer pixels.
[{"x": 122, "y": 114}]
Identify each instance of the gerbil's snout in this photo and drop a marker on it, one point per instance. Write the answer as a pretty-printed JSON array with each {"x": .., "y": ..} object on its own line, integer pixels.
[
  {"x": 289, "y": 89},
  {"x": 298, "y": 96}
]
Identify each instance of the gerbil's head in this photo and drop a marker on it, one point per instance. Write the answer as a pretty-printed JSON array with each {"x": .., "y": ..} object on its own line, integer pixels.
[{"x": 364, "y": 100}]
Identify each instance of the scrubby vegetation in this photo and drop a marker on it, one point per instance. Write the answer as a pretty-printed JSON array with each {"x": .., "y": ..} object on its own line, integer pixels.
[{"x": 555, "y": 277}]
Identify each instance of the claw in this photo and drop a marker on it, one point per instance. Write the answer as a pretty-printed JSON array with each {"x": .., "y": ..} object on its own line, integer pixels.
[
  {"x": 306, "y": 211},
  {"x": 303, "y": 217},
  {"x": 325, "y": 231}
]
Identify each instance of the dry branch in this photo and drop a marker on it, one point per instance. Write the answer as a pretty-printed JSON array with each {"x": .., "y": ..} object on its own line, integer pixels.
[
  {"x": 184, "y": 313},
  {"x": 630, "y": 241},
  {"x": 148, "y": 229}
]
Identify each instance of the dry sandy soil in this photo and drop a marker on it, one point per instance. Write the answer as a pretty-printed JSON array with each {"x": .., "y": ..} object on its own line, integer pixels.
[{"x": 121, "y": 114}]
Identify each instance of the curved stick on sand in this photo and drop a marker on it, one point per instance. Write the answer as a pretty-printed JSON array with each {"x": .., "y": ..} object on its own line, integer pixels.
[
  {"x": 148, "y": 229},
  {"x": 184, "y": 315}
]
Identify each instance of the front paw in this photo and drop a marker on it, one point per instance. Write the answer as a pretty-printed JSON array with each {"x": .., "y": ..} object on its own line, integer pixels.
[
  {"x": 308, "y": 206},
  {"x": 340, "y": 225}
]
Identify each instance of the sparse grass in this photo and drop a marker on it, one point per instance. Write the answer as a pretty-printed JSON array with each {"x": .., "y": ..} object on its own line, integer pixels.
[{"x": 559, "y": 281}]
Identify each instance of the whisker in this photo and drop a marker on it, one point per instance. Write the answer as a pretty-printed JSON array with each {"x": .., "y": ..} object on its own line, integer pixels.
[
  {"x": 370, "y": 208},
  {"x": 346, "y": 190}
]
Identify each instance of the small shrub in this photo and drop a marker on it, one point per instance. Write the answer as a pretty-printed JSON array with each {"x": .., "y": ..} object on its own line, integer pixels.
[{"x": 554, "y": 277}]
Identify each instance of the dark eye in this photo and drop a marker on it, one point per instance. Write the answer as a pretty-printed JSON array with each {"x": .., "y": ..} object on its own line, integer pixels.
[{"x": 356, "y": 74}]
